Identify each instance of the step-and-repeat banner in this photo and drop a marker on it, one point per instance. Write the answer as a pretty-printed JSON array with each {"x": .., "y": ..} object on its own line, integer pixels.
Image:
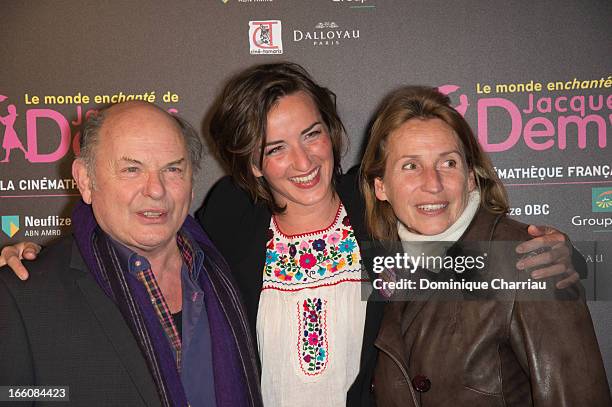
[{"x": 534, "y": 79}]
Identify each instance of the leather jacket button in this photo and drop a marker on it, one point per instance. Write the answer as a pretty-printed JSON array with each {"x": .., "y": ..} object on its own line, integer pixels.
[
  {"x": 421, "y": 383},
  {"x": 372, "y": 386}
]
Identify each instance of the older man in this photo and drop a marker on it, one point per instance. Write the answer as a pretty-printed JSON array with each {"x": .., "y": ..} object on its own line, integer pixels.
[{"x": 137, "y": 307}]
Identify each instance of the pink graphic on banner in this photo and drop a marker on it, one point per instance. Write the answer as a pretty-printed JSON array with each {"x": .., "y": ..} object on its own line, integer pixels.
[
  {"x": 10, "y": 140},
  {"x": 61, "y": 142},
  {"x": 543, "y": 132},
  {"x": 463, "y": 99},
  {"x": 483, "y": 124},
  {"x": 32, "y": 116},
  {"x": 536, "y": 124}
]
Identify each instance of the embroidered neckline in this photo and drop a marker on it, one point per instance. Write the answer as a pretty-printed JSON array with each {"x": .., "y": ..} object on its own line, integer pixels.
[
  {"x": 313, "y": 258},
  {"x": 314, "y": 232}
]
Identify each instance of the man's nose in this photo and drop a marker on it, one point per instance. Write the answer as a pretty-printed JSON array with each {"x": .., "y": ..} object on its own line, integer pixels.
[{"x": 154, "y": 186}]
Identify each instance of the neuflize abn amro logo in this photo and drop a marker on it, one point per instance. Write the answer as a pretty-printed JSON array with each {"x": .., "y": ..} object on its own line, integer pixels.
[
  {"x": 10, "y": 225},
  {"x": 602, "y": 199}
]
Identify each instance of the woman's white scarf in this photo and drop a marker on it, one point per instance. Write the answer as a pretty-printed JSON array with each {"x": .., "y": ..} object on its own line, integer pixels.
[{"x": 436, "y": 245}]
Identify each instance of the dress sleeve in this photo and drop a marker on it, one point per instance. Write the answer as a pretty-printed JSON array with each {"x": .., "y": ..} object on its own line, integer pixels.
[{"x": 555, "y": 343}]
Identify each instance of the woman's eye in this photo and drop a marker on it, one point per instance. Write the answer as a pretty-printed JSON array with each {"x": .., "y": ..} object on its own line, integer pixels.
[
  {"x": 274, "y": 150},
  {"x": 313, "y": 134},
  {"x": 174, "y": 169},
  {"x": 451, "y": 163},
  {"x": 409, "y": 166},
  {"x": 130, "y": 169}
]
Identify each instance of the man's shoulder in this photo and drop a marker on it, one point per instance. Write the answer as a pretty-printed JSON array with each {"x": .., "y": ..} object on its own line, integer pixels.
[
  {"x": 53, "y": 262},
  {"x": 57, "y": 255}
]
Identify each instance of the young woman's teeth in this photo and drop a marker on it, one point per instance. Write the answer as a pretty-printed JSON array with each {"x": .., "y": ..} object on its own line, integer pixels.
[
  {"x": 306, "y": 179},
  {"x": 432, "y": 207},
  {"x": 149, "y": 214}
]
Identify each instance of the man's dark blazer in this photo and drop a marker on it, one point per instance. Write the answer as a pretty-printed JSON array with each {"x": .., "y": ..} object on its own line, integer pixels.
[{"x": 59, "y": 328}]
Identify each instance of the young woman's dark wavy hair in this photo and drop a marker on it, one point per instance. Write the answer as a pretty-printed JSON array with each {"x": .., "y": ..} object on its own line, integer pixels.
[{"x": 238, "y": 121}]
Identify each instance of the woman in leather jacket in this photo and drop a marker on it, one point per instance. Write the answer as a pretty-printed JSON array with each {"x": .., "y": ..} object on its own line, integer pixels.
[{"x": 477, "y": 336}]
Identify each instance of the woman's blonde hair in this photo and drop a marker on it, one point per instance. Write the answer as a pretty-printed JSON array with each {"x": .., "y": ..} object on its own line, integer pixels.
[{"x": 422, "y": 102}]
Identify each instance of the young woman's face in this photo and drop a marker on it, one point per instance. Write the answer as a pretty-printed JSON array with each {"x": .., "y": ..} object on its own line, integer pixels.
[
  {"x": 426, "y": 178},
  {"x": 298, "y": 161}
]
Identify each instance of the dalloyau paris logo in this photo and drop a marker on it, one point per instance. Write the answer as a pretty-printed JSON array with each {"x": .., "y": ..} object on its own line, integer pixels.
[
  {"x": 265, "y": 37},
  {"x": 326, "y": 34}
]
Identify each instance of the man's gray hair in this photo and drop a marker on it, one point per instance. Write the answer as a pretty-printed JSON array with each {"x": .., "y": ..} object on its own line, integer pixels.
[{"x": 91, "y": 133}]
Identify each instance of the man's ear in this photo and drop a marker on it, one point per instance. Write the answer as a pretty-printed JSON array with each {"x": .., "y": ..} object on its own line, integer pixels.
[
  {"x": 82, "y": 177},
  {"x": 379, "y": 189}
]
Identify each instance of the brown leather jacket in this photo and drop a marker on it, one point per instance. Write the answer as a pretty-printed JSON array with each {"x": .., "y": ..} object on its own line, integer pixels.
[{"x": 491, "y": 353}]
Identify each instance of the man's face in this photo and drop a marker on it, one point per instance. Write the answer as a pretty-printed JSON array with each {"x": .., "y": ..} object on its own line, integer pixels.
[{"x": 142, "y": 185}]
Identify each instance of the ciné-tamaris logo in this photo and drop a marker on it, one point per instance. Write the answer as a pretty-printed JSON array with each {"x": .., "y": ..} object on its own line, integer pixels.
[
  {"x": 265, "y": 37},
  {"x": 602, "y": 199},
  {"x": 10, "y": 225}
]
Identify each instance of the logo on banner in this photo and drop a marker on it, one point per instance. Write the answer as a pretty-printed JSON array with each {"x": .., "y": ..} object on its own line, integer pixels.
[
  {"x": 549, "y": 115},
  {"x": 326, "y": 34},
  {"x": 10, "y": 140},
  {"x": 602, "y": 199},
  {"x": 265, "y": 37},
  {"x": 13, "y": 146},
  {"x": 461, "y": 108},
  {"x": 10, "y": 225}
]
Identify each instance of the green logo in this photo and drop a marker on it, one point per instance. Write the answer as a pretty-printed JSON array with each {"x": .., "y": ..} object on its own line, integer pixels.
[
  {"x": 602, "y": 199},
  {"x": 10, "y": 225}
]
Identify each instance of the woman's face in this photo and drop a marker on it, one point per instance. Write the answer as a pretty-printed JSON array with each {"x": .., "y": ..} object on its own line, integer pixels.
[
  {"x": 298, "y": 161},
  {"x": 426, "y": 178}
]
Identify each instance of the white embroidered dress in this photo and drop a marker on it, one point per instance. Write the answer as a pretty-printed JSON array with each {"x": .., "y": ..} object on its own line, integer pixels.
[{"x": 311, "y": 316}]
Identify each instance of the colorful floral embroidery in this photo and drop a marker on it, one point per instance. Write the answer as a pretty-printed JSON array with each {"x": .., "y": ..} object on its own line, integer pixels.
[
  {"x": 271, "y": 257},
  {"x": 312, "y": 342},
  {"x": 318, "y": 245},
  {"x": 308, "y": 258},
  {"x": 307, "y": 261}
]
